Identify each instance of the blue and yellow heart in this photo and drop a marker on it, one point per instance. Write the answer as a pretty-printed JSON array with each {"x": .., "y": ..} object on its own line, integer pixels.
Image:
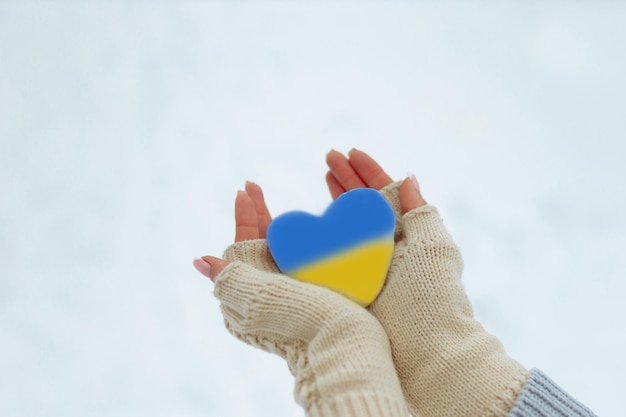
[{"x": 347, "y": 249}]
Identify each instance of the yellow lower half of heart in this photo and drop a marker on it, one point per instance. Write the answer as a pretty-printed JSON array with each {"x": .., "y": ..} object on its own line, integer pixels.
[{"x": 358, "y": 273}]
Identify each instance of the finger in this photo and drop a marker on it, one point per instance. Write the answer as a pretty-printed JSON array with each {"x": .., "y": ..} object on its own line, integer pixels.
[
  {"x": 246, "y": 220},
  {"x": 209, "y": 266},
  {"x": 410, "y": 196},
  {"x": 343, "y": 171},
  {"x": 264, "y": 217},
  {"x": 368, "y": 170},
  {"x": 335, "y": 188}
]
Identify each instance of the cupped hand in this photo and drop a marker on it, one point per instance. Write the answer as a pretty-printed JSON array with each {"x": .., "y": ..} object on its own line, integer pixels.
[
  {"x": 251, "y": 221},
  {"x": 359, "y": 170}
]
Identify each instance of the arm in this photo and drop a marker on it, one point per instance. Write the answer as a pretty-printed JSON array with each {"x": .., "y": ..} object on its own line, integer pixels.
[
  {"x": 448, "y": 365},
  {"x": 337, "y": 351}
]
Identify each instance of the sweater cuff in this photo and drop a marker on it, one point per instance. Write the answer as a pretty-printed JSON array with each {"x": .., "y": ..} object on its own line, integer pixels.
[
  {"x": 392, "y": 194},
  {"x": 424, "y": 225},
  {"x": 362, "y": 404},
  {"x": 254, "y": 252},
  {"x": 541, "y": 397}
]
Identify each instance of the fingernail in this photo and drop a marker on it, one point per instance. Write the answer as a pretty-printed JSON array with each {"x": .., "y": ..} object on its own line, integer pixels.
[
  {"x": 352, "y": 150},
  {"x": 414, "y": 181},
  {"x": 203, "y": 267}
]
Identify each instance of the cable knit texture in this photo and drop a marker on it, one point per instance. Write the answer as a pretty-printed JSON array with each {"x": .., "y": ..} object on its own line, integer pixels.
[
  {"x": 337, "y": 351},
  {"x": 447, "y": 363}
]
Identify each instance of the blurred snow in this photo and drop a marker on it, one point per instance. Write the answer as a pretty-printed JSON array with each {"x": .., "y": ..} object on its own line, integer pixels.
[{"x": 127, "y": 127}]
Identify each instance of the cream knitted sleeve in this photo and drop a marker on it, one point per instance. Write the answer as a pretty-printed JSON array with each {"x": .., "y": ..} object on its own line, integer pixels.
[
  {"x": 337, "y": 351},
  {"x": 447, "y": 363}
]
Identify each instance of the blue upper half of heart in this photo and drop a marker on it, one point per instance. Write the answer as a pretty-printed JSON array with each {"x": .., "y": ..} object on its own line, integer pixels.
[{"x": 356, "y": 218}]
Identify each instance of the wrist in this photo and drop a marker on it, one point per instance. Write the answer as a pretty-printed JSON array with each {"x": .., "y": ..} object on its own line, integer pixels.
[
  {"x": 462, "y": 373},
  {"x": 365, "y": 403},
  {"x": 352, "y": 376}
]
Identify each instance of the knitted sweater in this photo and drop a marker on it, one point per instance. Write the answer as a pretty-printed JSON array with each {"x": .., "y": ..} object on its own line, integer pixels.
[{"x": 446, "y": 363}]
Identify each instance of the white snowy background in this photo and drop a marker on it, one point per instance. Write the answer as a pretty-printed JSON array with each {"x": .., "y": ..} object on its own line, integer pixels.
[{"x": 126, "y": 129}]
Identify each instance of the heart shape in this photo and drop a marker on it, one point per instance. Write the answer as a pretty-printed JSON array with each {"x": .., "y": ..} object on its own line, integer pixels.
[{"x": 347, "y": 249}]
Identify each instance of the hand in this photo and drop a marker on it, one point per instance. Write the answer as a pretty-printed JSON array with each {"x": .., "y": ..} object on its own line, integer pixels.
[
  {"x": 360, "y": 170},
  {"x": 447, "y": 364},
  {"x": 251, "y": 221},
  {"x": 338, "y": 352}
]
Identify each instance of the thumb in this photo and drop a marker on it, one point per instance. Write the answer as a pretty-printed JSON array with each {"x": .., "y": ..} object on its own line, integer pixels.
[
  {"x": 410, "y": 196},
  {"x": 209, "y": 266}
]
